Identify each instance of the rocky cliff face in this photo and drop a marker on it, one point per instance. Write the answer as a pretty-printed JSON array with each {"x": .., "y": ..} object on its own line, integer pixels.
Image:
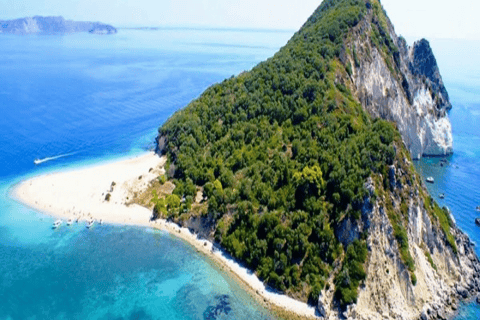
[
  {"x": 443, "y": 275},
  {"x": 403, "y": 85},
  {"x": 37, "y": 24},
  {"x": 407, "y": 90},
  {"x": 440, "y": 283}
]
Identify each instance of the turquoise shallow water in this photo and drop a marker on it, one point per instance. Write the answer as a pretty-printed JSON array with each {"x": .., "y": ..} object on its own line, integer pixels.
[
  {"x": 99, "y": 98},
  {"x": 93, "y": 99}
]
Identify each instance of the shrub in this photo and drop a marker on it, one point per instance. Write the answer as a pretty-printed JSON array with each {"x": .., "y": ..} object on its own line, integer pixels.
[
  {"x": 414, "y": 279},
  {"x": 162, "y": 179},
  {"x": 352, "y": 273}
]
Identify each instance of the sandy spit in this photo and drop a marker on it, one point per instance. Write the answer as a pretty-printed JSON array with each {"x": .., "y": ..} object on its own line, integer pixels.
[{"x": 80, "y": 194}]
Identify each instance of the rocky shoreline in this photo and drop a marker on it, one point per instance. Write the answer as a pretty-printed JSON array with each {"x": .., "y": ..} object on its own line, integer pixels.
[{"x": 469, "y": 287}]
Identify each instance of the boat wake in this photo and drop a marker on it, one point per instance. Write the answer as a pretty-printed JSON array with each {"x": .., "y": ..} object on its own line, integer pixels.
[{"x": 39, "y": 161}]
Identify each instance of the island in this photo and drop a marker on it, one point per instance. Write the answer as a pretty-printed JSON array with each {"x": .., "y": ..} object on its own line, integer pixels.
[
  {"x": 52, "y": 25},
  {"x": 297, "y": 176}
]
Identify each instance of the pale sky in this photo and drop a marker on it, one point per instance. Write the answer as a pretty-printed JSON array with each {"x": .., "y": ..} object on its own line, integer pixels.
[{"x": 412, "y": 18}]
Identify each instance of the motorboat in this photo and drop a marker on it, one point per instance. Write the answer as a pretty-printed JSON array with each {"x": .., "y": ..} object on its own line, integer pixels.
[
  {"x": 90, "y": 223},
  {"x": 430, "y": 180},
  {"x": 69, "y": 221},
  {"x": 57, "y": 224},
  {"x": 442, "y": 196}
]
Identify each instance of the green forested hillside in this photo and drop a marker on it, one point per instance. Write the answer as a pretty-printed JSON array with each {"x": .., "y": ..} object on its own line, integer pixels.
[{"x": 282, "y": 153}]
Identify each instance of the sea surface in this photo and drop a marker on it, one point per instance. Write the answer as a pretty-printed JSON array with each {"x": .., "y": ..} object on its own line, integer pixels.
[{"x": 81, "y": 99}]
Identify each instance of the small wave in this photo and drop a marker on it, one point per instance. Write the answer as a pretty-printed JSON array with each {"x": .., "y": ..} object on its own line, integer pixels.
[{"x": 39, "y": 161}]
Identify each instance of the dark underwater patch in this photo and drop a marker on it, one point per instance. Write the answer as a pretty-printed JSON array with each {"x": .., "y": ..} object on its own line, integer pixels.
[{"x": 221, "y": 308}]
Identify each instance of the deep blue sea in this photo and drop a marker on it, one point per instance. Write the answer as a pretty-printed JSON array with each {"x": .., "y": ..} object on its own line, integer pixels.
[{"x": 97, "y": 98}]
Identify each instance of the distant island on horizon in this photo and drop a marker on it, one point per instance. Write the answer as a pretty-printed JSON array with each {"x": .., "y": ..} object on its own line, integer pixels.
[{"x": 50, "y": 25}]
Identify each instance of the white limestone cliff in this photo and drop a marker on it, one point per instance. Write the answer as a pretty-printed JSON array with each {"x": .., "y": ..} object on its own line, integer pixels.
[{"x": 408, "y": 91}]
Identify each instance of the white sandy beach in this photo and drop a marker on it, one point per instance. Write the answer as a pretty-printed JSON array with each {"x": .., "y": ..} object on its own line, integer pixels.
[{"x": 81, "y": 194}]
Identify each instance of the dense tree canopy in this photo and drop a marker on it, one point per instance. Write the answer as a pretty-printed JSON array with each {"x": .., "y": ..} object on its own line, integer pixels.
[{"x": 282, "y": 153}]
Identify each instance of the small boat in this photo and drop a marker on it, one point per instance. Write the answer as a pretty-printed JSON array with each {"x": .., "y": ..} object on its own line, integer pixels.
[
  {"x": 101, "y": 221},
  {"x": 477, "y": 221},
  {"x": 477, "y": 208},
  {"x": 69, "y": 221},
  {"x": 39, "y": 161},
  {"x": 430, "y": 179},
  {"x": 56, "y": 224},
  {"x": 90, "y": 223},
  {"x": 442, "y": 196}
]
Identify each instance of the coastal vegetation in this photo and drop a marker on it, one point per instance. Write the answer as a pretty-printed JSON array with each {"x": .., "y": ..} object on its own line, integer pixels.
[{"x": 282, "y": 153}]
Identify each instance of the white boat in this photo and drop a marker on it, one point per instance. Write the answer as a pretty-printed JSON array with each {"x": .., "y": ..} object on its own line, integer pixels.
[
  {"x": 69, "y": 221},
  {"x": 57, "y": 224},
  {"x": 442, "y": 196},
  {"x": 101, "y": 221},
  {"x": 430, "y": 179},
  {"x": 90, "y": 223}
]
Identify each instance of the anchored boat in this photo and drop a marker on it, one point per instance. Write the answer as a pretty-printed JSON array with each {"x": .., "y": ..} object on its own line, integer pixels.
[
  {"x": 90, "y": 223},
  {"x": 56, "y": 224}
]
